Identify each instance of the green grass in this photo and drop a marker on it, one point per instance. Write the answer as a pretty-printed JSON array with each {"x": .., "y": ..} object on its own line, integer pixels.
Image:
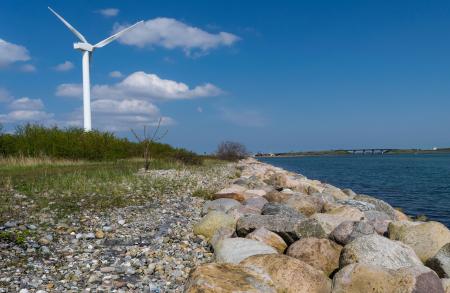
[{"x": 70, "y": 187}]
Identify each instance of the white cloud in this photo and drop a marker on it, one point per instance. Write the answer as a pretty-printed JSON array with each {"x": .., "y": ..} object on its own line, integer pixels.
[
  {"x": 112, "y": 115},
  {"x": 66, "y": 66},
  {"x": 116, "y": 74},
  {"x": 69, "y": 90},
  {"x": 26, "y": 110},
  {"x": 10, "y": 53},
  {"x": 200, "y": 109},
  {"x": 28, "y": 68},
  {"x": 171, "y": 33},
  {"x": 26, "y": 103},
  {"x": 109, "y": 12},
  {"x": 125, "y": 106},
  {"x": 141, "y": 85},
  {"x": 248, "y": 118},
  {"x": 129, "y": 102},
  {"x": 25, "y": 116}
]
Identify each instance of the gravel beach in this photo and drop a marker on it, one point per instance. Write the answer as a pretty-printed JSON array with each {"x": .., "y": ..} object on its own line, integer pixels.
[{"x": 145, "y": 248}]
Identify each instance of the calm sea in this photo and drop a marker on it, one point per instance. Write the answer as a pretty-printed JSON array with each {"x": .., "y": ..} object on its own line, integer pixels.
[{"x": 419, "y": 184}]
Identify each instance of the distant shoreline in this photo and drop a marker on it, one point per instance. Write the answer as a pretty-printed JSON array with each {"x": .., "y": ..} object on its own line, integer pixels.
[{"x": 368, "y": 152}]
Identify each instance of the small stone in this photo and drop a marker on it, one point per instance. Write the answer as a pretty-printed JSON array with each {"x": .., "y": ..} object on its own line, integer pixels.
[
  {"x": 107, "y": 269},
  {"x": 107, "y": 228},
  {"x": 45, "y": 250},
  {"x": 121, "y": 222},
  {"x": 10, "y": 224},
  {"x": 43, "y": 241},
  {"x": 151, "y": 268},
  {"x": 99, "y": 234}
]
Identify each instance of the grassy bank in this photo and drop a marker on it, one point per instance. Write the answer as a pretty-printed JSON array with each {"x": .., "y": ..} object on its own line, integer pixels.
[{"x": 64, "y": 187}]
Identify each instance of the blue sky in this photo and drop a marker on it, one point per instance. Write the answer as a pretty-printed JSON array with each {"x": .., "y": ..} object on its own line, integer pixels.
[{"x": 277, "y": 76}]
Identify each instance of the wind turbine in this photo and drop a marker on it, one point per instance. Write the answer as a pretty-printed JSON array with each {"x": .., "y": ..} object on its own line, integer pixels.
[{"x": 87, "y": 50}]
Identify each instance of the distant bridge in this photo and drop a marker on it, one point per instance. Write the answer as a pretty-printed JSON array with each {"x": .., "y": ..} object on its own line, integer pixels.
[{"x": 369, "y": 151}]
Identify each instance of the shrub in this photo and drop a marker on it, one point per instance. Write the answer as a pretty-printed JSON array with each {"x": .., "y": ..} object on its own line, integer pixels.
[
  {"x": 75, "y": 144},
  {"x": 231, "y": 151}
]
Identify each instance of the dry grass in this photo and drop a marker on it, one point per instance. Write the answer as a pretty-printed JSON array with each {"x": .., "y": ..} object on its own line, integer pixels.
[
  {"x": 29, "y": 186},
  {"x": 23, "y": 161}
]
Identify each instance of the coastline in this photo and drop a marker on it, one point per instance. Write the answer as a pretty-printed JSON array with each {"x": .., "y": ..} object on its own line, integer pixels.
[
  {"x": 271, "y": 223},
  {"x": 342, "y": 153}
]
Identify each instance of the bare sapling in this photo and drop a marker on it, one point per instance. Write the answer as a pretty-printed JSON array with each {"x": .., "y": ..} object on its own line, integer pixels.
[{"x": 149, "y": 137}]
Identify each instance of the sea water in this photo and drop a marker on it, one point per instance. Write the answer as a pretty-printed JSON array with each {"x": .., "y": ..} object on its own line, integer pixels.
[{"x": 418, "y": 184}]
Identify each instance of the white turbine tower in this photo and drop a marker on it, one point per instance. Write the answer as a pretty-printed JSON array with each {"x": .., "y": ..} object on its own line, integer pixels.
[{"x": 87, "y": 50}]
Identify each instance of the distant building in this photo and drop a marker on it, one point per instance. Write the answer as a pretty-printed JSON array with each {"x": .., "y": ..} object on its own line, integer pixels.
[{"x": 435, "y": 149}]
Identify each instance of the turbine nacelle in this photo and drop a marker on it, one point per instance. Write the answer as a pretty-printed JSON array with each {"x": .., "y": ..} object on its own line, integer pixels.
[{"x": 83, "y": 47}]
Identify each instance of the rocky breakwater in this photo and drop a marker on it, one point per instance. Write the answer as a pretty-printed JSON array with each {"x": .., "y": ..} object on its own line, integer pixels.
[{"x": 277, "y": 231}]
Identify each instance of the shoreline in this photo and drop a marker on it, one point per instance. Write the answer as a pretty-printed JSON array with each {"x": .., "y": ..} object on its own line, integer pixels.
[
  {"x": 271, "y": 223},
  {"x": 319, "y": 154}
]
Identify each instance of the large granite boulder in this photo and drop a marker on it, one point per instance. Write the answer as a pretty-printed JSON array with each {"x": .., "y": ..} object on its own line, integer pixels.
[
  {"x": 286, "y": 227},
  {"x": 446, "y": 285},
  {"x": 362, "y": 277},
  {"x": 306, "y": 205},
  {"x": 289, "y": 275},
  {"x": 360, "y": 205},
  {"x": 273, "y": 208},
  {"x": 425, "y": 238},
  {"x": 323, "y": 197},
  {"x": 379, "y": 204},
  {"x": 276, "y": 196},
  {"x": 349, "y": 192},
  {"x": 335, "y": 192},
  {"x": 320, "y": 253},
  {"x": 221, "y": 234},
  {"x": 350, "y": 230},
  {"x": 255, "y": 202},
  {"x": 268, "y": 237},
  {"x": 212, "y": 222},
  {"x": 310, "y": 228},
  {"x": 221, "y": 204},
  {"x": 379, "y": 220},
  {"x": 331, "y": 219},
  {"x": 380, "y": 251},
  {"x": 440, "y": 262},
  {"x": 234, "y": 191},
  {"x": 225, "y": 278},
  {"x": 233, "y": 250}
]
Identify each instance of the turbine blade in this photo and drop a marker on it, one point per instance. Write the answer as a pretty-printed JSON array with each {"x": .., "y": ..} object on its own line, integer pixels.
[
  {"x": 72, "y": 29},
  {"x": 115, "y": 36}
]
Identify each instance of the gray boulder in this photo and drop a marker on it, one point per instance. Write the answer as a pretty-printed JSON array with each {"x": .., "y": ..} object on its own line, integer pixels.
[
  {"x": 234, "y": 250},
  {"x": 379, "y": 251},
  {"x": 361, "y": 277},
  {"x": 221, "y": 204},
  {"x": 282, "y": 225},
  {"x": 440, "y": 263},
  {"x": 274, "y": 208},
  {"x": 256, "y": 202},
  {"x": 349, "y": 192},
  {"x": 379, "y": 220},
  {"x": 379, "y": 204},
  {"x": 360, "y": 205},
  {"x": 350, "y": 230}
]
